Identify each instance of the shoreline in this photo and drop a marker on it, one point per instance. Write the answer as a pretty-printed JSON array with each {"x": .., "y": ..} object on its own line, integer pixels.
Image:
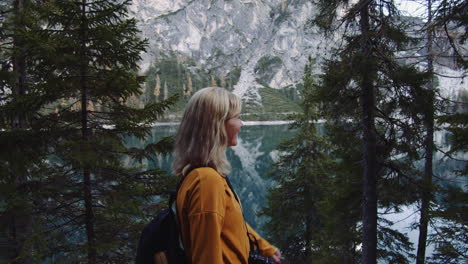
[{"x": 246, "y": 123}]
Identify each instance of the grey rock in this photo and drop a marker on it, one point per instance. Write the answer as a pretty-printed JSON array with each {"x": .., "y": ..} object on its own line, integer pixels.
[{"x": 225, "y": 34}]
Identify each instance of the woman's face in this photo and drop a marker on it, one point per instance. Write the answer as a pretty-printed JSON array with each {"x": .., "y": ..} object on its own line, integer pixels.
[{"x": 233, "y": 127}]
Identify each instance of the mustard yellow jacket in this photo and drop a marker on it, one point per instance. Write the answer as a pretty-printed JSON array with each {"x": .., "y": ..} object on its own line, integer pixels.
[{"x": 213, "y": 229}]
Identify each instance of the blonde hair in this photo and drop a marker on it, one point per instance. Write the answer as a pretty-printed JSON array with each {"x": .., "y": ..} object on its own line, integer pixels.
[{"x": 201, "y": 139}]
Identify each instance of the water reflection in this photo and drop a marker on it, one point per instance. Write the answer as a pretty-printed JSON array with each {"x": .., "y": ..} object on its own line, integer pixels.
[{"x": 252, "y": 159}]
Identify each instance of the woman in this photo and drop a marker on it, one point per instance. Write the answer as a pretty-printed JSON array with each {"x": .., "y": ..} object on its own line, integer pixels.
[{"x": 213, "y": 228}]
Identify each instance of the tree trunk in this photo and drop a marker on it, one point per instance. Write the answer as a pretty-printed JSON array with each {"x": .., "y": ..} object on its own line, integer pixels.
[
  {"x": 309, "y": 217},
  {"x": 89, "y": 216},
  {"x": 20, "y": 228},
  {"x": 19, "y": 62},
  {"x": 87, "y": 184},
  {"x": 308, "y": 238},
  {"x": 426, "y": 188},
  {"x": 369, "y": 213}
]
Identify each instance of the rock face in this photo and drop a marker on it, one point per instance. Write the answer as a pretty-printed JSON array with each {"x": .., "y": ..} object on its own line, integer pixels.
[{"x": 269, "y": 40}]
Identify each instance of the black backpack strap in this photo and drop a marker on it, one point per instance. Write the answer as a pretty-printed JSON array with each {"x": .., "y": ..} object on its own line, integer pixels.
[
  {"x": 173, "y": 193},
  {"x": 232, "y": 189},
  {"x": 187, "y": 173},
  {"x": 173, "y": 199},
  {"x": 252, "y": 239}
]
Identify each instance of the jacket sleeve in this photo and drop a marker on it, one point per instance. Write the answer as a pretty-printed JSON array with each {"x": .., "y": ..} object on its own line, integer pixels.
[
  {"x": 206, "y": 216},
  {"x": 266, "y": 249}
]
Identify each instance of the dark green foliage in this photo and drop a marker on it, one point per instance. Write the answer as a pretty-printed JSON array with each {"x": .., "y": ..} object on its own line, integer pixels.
[
  {"x": 266, "y": 68},
  {"x": 449, "y": 219},
  {"x": 86, "y": 202},
  {"x": 22, "y": 148},
  {"x": 455, "y": 117},
  {"x": 301, "y": 173},
  {"x": 394, "y": 246},
  {"x": 458, "y": 128},
  {"x": 234, "y": 76},
  {"x": 375, "y": 107},
  {"x": 275, "y": 106},
  {"x": 177, "y": 72},
  {"x": 404, "y": 109},
  {"x": 451, "y": 18},
  {"x": 450, "y": 229}
]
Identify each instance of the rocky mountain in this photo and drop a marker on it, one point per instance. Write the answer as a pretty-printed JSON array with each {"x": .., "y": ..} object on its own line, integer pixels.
[
  {"x": 269, "y": 40},
  {"x": 257, "y": 48}
]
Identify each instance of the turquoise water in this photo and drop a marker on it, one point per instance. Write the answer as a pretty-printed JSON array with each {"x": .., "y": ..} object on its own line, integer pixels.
[{"x": 252, "y": 160}]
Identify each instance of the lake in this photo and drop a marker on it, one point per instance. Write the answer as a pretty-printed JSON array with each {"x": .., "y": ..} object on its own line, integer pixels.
[{"x": 254, "y": 155}]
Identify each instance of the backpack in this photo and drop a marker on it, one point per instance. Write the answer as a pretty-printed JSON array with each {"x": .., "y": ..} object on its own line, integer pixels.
[{"x": 159, "y": 241}]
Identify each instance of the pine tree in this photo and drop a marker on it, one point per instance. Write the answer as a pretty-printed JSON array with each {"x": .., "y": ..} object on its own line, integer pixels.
[
  {"x": 103, "y": 50},
  {"x": 22, "y": 148},
  {"x": 189, "y": 86},
  {"x": 157, "y": 88},
  {"x": 301, "y": 173},
  {"x": 213, "y": 81},
  {"x": 283, "y": 5},
  {"x": 448, "y": 217},
  {"x": 87, "y": 204},
  {"x": 223, "y": 80},
  {"x": 166, "y": 91},
  {"x": 426, "y": 184},
  {"x": 363, "y": 83},
  {"x": 450, "y": 16},
  {"x": 445, "y": 31},
  {"x": 21, "y": 221}
]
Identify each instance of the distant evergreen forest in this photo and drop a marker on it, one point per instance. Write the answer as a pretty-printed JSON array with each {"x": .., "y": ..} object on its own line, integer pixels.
[
  {"x": 70, "y": 93},
  {"x": 176, "y": 74}
]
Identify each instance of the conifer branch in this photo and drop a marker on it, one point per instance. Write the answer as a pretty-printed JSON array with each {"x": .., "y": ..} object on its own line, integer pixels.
[{"x": 444, "y": 238}]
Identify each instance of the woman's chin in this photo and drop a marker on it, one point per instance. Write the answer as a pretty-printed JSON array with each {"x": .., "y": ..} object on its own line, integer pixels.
[{"x": 233, "y": 143}]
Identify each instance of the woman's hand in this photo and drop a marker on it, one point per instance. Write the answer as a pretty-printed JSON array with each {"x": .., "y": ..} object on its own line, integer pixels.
[{"x": 277, "y": 257}]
